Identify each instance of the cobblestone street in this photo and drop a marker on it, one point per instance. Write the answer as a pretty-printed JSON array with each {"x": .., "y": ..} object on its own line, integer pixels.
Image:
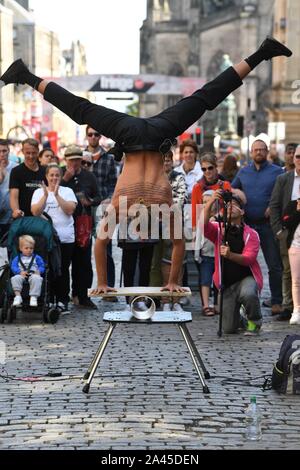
[{"x": 146, "y": 393}]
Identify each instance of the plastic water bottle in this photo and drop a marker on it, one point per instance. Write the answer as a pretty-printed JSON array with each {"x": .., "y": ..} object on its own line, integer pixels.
[{"x": 253, "y": 420}]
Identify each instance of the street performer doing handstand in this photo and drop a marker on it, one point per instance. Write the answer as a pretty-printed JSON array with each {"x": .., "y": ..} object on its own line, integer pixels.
[{"x": 144, "y": 140}]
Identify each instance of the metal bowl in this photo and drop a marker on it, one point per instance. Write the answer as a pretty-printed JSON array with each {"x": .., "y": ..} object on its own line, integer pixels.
[{"x": 145, "y": 312}]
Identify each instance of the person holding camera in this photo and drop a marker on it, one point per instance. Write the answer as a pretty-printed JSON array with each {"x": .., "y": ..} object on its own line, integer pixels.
[
  {"x": 257, "y": 180},
  {"x": 240, "y": 277}
]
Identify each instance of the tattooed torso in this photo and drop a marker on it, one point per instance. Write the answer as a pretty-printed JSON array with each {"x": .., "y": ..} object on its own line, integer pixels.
[{"x": 143, "y": 181}]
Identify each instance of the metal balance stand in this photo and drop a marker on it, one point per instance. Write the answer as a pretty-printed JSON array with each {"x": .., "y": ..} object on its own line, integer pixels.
[{"x": 148, "y": 317}]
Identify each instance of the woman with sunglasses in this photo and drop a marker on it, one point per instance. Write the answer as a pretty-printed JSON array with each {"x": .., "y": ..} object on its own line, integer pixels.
[
  {"x": 144, "y": 141},
  {"x": 210, "y": 180}
]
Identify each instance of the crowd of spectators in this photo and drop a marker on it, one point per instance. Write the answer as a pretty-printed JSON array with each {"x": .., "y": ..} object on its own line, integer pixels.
[{"x": 83, "y": 183}]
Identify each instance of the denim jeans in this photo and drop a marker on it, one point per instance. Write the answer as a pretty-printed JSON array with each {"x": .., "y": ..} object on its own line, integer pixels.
[
  {"x": 271, "y": 252},
  {"x": 244, "y": 292}
]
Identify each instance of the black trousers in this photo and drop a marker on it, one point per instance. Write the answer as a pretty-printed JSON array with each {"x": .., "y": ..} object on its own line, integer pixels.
[
  {"x": 59, "y": 288},
  {"x": 82, "y": 271},
  {"x": 144, "y": 133},
  {"x": 62, "y": 283},
  {"x": 130, "y": 258}
]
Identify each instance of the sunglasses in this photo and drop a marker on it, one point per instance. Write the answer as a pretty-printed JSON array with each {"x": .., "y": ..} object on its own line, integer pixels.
[
  {"x": 83, "y": 163},
  {"x": 208, "y": 168},
  {"x": 93, "y": 134},
  {"x": 297, "y": 157}
]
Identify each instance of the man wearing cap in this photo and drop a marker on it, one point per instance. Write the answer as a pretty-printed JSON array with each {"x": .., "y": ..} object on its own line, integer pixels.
[
  {"x": 145, "y": 140},
  {"x": 241, "y": 277},
  {"x": 84, "y": 185}
]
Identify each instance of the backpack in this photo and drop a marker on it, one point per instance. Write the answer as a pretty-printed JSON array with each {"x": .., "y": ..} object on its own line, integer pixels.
[{"x": 286, "y": 372}]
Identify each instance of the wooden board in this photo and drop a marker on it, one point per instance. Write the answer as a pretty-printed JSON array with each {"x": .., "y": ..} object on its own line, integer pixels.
[{"x": 149, "y": 291}]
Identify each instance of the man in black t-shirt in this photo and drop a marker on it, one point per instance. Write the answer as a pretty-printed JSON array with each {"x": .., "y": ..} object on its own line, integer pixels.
[{"x": 25, "y": 179}]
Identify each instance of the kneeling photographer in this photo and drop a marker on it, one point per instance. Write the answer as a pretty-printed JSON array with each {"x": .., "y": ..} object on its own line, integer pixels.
[{"x": 237, "y": 273}]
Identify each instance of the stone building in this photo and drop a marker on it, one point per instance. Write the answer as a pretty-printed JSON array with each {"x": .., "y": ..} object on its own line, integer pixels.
[
  {"x": 73, "y": 63},
  {"x": 22, "y": 110},
  {"x": 285, "y": 92},
  {"x": 6, "y": 93},
  {"x": 201, "y": 38},
  {"x": 40, "y": 50}
]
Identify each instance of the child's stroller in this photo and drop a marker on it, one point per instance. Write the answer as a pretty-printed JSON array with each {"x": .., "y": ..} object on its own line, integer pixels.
[{"x": 42, "y": 232}]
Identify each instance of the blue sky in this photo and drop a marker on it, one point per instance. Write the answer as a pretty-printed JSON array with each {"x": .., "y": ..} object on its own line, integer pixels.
[{"x": 109, "y": 29}]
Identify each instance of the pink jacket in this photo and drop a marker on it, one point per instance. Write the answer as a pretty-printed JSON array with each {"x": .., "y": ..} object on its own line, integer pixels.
[{"x": 250, "y": 251}]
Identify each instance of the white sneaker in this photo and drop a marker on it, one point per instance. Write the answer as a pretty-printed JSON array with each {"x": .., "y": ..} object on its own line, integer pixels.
[
  {"x": 166, "y": 307},
  {"x": 33, "y": 301},
  {"x": 63, "y": 308},
  {"x": 177, "y": 307},
  {"x": 295, "y": 318},
  {"x": 17, "y": 301}
]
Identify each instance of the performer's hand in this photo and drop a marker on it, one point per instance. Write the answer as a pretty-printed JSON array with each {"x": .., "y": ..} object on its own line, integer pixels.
[
  {"x": 172, "y": 287},
  {"x": 225, "y": 251},
  {"x": 298, "y": 205},
  {"x": 102, "y": 289}
]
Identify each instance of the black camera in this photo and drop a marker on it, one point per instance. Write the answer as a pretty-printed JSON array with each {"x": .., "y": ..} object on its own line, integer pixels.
[{"x": 226, "y": 196}]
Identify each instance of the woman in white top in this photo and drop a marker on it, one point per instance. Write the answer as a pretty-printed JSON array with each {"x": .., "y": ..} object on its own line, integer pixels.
[{"x": 59, "y": 203}]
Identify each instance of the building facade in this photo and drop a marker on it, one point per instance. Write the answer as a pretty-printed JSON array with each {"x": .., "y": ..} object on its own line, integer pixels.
[
  {"x": 23, "y": 112},
  {"x": 285, "y": 92},
  {"x": 202, "y": 37}
]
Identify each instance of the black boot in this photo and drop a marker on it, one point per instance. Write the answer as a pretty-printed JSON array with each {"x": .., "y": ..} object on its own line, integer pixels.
[
  {"x": 269, "y": 48},
  {"x": 18, "y": 73},
  {"x": 14, "y": 73},
  {"x": 273, "y": 48}
]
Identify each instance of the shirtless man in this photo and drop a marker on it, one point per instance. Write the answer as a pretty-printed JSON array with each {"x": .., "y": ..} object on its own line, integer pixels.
[{"x": 144, "y": 140}]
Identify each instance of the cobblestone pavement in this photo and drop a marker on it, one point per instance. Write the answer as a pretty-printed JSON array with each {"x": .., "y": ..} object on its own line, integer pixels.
[{"x": 146, "y": 394}]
